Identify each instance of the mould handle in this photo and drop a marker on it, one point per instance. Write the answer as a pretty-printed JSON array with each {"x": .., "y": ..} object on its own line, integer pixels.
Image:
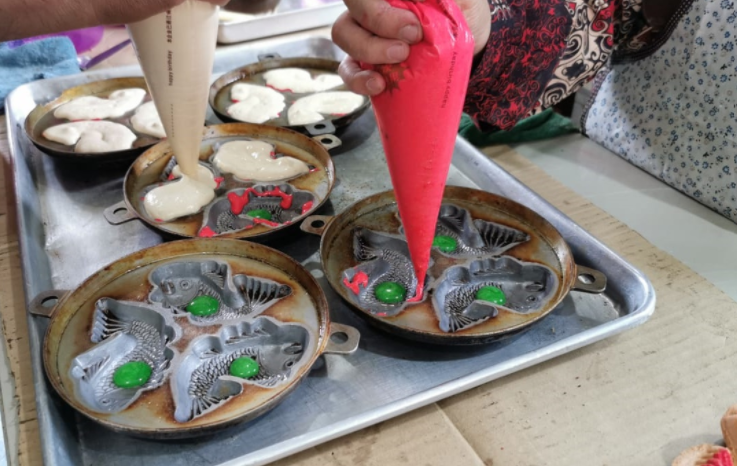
[
  {"x": 343, "y": 339},
  {"x": 315, "y": 224},
  {"x": 268, "y": 56},
  {"x": 589, "y": 280},
  {"x": 44, "y": 304},
  {"x": 321, "y": 128},
  {"x": 119, "y": 213}
]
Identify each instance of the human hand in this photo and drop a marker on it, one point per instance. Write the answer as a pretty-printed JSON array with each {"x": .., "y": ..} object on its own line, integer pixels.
[
  {"x": 20, "y": 19},
  {"x": 373, "y": 32}
]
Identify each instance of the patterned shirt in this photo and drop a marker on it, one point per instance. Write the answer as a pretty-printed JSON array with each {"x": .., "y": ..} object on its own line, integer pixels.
[{"x": 540, "y": 52}]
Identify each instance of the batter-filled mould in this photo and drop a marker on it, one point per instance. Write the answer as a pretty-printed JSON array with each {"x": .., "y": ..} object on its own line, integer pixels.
[
  {"x": 207, "y": 292},
  {"x": 131, "y": 355},
  {"x": 243, "y": 209},
  {"x": 273, "y": 103},
  {"x": 466, "y": 296},
  {"x": 215, "y": 369},
  {"x": 271, "y": 204},
  {"x": 141, "y": 137}
]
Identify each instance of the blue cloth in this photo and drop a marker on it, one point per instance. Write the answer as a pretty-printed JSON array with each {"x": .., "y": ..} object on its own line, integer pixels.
[{"x": 45, "y": 58}]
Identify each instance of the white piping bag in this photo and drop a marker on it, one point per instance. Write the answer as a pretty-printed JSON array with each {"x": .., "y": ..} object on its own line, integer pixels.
[{"x": 176, "y": 50}]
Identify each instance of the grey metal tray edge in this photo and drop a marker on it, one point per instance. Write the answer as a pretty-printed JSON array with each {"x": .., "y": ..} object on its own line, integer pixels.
[
  {"x": 397, "y": 408},
  {"x": 483, "y": 173}
]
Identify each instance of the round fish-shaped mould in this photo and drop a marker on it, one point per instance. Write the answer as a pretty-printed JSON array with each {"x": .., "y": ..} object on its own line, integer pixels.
[
  {"x": 271, "y": 318},
  {"x": 498, "y": 268},
  {"x": 42, "y": 117},
  {"x": 229, "y": 214}
]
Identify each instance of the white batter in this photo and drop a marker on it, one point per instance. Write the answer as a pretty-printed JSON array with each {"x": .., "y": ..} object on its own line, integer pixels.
[
  {"x": 146, "y": 120},
  {"x": 116, "y": 105},
  {"x": 252, "y": 160},
  {"x": 204, "y": 175},
  {"x": 179, "y": 198},
  {"x": 301, "y": 81},
  {"x": 311, "y": 109},
  {"x": 92, "y": 136},
  {"x": 255, "y": 104}
]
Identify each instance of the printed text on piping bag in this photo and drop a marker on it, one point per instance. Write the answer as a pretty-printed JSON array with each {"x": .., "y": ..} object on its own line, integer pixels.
[
  {"x": 418, "y": 116},
  {"x": 176, "y": 50}
]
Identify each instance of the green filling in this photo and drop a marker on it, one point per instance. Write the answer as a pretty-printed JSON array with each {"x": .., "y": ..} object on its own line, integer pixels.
[
  {"x": 132, "y": 374},
  {"x": 259, "y": 213},
  {"x": 244, "y": 367},
  {"x": 390, "y": 292},
  {"x": 445, "y": 243},
  {"x": 491, "y": 294},
  {"x": 203, "y": 306}
]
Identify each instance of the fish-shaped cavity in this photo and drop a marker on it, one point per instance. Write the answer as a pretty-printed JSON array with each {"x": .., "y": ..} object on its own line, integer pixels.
[
  {"x": 468, "y": 296},
  {"x": 130, "y": 356},
  {"x": 459, "y": 235},
  {"x": 243, "y": 209},
  {"x": 213, "y": 373},
  {"x": 384, "y": 279},
  {"x": 203, "y": 291},
  {"x": 176, "y": 284},
  {"x": 258, "y": 294}
]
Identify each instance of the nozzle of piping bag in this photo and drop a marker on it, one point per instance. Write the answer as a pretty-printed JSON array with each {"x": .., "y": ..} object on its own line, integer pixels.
[
  {"x": 418, "y": 116},
  {"x": 176, "y": 50}
]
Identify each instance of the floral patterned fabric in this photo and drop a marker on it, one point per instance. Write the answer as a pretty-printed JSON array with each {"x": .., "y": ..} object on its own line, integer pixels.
[
  {"x": 539, "y": 53},
  {"x": 673, "y": 113},
  {"x": 526, "y": 43},
  {"x": 590, "y": 44}
]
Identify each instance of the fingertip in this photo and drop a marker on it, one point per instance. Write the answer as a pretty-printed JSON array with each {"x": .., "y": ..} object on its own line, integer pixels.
[
  {"x": 375, "y": 84},
  {"x": 397, "y": 52},
  {"x": 411, "y": 33}
]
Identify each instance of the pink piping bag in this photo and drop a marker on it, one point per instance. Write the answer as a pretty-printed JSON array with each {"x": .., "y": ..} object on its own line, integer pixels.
[{"x": 418, "y": 116}]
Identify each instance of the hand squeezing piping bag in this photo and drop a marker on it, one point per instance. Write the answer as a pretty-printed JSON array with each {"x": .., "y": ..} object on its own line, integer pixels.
[
  {"x": 418, "y": 116},
  {"x": 176, "y": 50}
]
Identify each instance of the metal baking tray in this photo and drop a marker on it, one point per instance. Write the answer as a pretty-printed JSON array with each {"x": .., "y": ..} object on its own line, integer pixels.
[
  {"x": 289, "y": 16},
  {"x": 65, "y": 238}
]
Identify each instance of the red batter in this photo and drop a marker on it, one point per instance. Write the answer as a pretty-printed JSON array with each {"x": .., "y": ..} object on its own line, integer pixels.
[
  {"x": 418, "y": 117},
  {"x": 359, "y": 279},
  {"x": 306, "y": 207},
  {"x": 238, "y": 203}
]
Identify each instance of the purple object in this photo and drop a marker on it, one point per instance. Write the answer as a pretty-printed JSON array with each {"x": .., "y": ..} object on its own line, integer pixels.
[{"x": 83, "y": 39}]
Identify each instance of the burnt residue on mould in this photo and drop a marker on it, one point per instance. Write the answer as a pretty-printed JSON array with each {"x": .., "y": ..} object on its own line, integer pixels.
[
  {"x": 122, "y": 333},
  {"x": 177, "y": 284},
  {"x": 160, "y": 402},
  {"x": 203, "y": 381},
  {"x": 525, "y": 289}
]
